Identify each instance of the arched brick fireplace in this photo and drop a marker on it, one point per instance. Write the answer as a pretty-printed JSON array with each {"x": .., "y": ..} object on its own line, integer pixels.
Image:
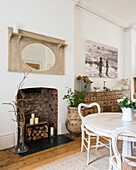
[{"x": 44, "y": 104}]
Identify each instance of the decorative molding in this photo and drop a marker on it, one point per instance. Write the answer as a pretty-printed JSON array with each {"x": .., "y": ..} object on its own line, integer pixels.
[
  {"x": 132, "y": 25},
  {"x": 80, "y": 1},
  {"x": 105, "y": 15}
]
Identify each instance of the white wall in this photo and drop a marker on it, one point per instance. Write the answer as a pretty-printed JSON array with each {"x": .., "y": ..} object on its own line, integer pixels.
[
  {"x": 90, "y": 27},
  {"x": 56, "y": 18},
  {"x": 130, "y": 56},
  {"x": 47, "y": 17}
]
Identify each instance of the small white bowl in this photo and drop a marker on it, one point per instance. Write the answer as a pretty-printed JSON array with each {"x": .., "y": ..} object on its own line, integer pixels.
[{"x": 96, "y": 89}]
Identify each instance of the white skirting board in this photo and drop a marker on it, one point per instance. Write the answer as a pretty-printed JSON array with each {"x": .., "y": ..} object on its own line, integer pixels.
[{"x": 7, "y": 141}]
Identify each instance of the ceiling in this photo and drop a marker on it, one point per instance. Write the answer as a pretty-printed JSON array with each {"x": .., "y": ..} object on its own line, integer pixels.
[{"x": 120, "y": 12}]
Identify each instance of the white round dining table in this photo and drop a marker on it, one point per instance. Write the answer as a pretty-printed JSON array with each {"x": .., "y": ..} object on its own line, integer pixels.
[{"x": 105, "y": 123}]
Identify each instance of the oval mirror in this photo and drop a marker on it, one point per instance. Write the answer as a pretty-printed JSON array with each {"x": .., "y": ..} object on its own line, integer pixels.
[{"x": 38, "y": 56}]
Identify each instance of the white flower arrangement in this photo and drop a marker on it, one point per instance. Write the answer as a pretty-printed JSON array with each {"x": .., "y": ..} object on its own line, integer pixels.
[{"x": 126, "y": 103}]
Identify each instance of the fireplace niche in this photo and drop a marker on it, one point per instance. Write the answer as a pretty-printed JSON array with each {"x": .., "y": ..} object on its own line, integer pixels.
[{"x": 44, "y": 104}]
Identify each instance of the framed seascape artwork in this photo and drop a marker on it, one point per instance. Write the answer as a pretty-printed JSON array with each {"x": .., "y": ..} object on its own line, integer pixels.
[{"x": 100, "y": 60}]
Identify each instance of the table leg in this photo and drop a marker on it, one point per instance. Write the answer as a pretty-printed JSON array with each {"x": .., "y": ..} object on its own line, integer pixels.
[{"x": 126, "y": 150}]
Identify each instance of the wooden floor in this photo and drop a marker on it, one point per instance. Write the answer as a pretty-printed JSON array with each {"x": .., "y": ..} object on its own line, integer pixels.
[{"x": 12, "y": 161}]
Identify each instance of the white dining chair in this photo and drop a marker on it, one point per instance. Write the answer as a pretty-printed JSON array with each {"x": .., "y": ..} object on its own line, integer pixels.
[
  {"x": 87, "y": 136},
  {"x": 117, "y": 161}
]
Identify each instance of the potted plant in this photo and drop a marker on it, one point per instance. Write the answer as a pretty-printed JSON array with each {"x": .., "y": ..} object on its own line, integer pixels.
[
  {"x": 127, "y": 107},
  {"x": 85, "y": 83},
  {"x": 73, "y": 121}
]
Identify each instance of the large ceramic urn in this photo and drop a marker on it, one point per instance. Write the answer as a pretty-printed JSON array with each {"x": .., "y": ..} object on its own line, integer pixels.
[{"x": 73, "y": 121}]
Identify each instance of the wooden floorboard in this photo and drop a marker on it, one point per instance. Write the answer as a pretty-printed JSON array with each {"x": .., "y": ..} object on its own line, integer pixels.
[
  {"x": 51, "y": 159},
  {"x": 12, "y": 161}
]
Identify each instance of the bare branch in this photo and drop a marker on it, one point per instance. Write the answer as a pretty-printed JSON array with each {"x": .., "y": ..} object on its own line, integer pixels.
[
  {"x": 21, "y": 83},
  {"x": 19, "y": 103},
  {"x": 29, "y": 107},
  {"x": 11, "y": 105}
]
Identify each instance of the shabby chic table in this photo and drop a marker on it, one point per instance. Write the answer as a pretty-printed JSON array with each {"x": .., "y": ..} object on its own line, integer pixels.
[{"x": 105, "y": 123}]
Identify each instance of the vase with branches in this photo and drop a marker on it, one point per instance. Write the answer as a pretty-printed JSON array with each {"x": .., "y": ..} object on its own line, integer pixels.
[{"x": 20, "y": 108}]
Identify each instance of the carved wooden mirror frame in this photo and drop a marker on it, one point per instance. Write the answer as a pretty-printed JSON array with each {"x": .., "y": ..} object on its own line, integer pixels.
[{"x": 17, "y": 42}]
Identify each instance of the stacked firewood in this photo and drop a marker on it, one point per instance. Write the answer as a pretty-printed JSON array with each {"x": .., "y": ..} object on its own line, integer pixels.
[{"x": 37, "y": 132}]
